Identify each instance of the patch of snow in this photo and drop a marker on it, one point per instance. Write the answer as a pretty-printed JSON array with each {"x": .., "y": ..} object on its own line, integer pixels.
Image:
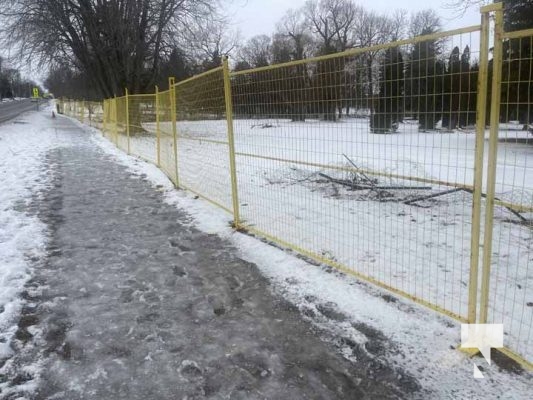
[{"x": 22, "y": 235}]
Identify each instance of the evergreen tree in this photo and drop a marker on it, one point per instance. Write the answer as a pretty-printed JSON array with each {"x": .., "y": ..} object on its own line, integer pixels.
[
  {"x": 452, "y": 91},
  {"x": 472, "y": 100},
  {"x": 468, "y": 91},
  {"x": 517, "y": 90},
  {"x": 518, "y": 15},
  {"x": 424, "y": 83},
  {"x": 387, "y": 110},
  {"x": 175, "y": 65},
  {"x": 295, "y": 90},
  {"x": 328, "y": 83}
]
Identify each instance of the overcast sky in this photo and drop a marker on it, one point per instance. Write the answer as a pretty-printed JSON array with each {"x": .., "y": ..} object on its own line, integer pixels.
[{"x": 255, "y": 17}]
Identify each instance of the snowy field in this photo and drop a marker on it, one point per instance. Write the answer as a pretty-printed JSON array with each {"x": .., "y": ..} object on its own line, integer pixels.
[
  {"x": 422, "y": 342},
  {"x": 422, "y": 248}
]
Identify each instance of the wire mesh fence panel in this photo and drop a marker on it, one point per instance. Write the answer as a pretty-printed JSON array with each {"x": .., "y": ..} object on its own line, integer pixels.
[
  {"x": 60, "y": 106},
  {"x": 511, "y": 259},
  {"x": 74, "y": 110},
  {"x": 142, "y": 126},
  {"x": 95, "y": 114},
  {"x": 106, "y": 128},
  {"x": 121, "y": 123},
  {"x": 203, "y": 157},
  {"x": 366, "y": 162},
  {"x": 114, "y": 121},
  {"x": 166, "y": 137},
  {"x": 67, "y": 107},
  {"x": 82, "y": 111}
]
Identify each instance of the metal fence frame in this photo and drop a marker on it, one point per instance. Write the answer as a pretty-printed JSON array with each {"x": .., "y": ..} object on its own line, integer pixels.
[{"x": 166, "y": 111}]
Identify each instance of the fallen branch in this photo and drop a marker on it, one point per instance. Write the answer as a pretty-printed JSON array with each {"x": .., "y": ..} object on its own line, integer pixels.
[
  {"x": 345, "y": 182},
  {"x": 371, "y": 181},
  {"x": 431, "y": 196},
  {"x": 262, "y": 126},
  {"x": 365, "y": 187},
  {"x": 514, "y": 212}
]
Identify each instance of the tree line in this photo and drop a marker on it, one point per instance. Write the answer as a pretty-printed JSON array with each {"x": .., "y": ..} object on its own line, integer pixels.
[
  {"x": 12, "y": 84},
  {"x": 418, "y": 80},
  {"x": 96, "y": 48},
  {"x": 434, "y": 82}
]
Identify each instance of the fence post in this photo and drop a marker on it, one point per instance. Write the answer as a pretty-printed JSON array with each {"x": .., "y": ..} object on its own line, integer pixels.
[
  {"x": 172, "y": 93},
  {"x": 127, "y": 119},
  {"x": 231, "y": 142},
  {"x": 104, "y": 119},
  {"x": 115, "y": 118},
  {"x": 493, "y": 157},
  {"x": 481, "y": 113},
  {"x": 157, "y": 132}
]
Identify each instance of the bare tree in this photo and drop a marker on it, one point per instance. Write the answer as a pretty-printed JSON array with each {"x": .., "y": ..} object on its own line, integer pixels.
[
  {"x": 372, "y": 29},
  {"x": 257, "y": 52},
  {"x": 293, "y": 29},
  {"x": 462, "y": 5},
  {"x": 118, "y": 43},
  {"x": 293, "y": 41},
  {"x": 424, "y": 22},
  {"x": 397, "y": 24},
  {"x": 332, "y": 23},
  {"x": 209, "y": 42}
]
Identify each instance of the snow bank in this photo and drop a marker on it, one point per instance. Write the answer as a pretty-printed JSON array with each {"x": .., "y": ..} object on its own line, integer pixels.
[{"x": 22, "y": 235}]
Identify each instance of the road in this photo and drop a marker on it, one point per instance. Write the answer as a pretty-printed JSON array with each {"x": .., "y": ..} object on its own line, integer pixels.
[{"x": 12, "y": 109}]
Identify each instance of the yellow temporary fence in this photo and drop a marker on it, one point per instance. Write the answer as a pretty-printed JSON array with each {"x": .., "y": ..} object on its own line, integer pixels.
[
  {"x": 369, "y": 162},
  {"x": 89, "y": 112},
  {"x": 507, "y": 275}
]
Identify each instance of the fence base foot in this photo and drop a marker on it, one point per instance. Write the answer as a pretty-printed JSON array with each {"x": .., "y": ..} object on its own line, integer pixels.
[{"x": 469, "y": 351}]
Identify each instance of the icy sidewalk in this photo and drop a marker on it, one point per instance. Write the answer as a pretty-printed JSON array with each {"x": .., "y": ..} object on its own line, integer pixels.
[{"x": 132, "y": 301}]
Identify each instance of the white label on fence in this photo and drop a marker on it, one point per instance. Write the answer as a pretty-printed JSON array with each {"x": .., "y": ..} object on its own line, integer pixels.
[{"x": 482, "y": 337}]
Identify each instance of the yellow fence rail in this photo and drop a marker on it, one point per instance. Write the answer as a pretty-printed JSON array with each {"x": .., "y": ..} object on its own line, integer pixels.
[{"x": 368, "y": 161}]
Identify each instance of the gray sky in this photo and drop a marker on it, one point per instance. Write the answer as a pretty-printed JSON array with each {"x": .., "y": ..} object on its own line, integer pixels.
[{"x": 254, "y": 17}]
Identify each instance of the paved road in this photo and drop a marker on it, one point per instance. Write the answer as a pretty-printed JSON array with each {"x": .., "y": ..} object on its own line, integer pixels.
[
  {"x": 12, "y": 109},
  {"x": 135, "y": 303}
]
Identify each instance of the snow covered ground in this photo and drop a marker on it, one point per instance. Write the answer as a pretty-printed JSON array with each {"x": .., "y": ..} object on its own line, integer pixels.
[
  {"x": 422, "y": 342},
  {"x": 23, "y": 236},
  {"x": 422, "y": 249}
]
